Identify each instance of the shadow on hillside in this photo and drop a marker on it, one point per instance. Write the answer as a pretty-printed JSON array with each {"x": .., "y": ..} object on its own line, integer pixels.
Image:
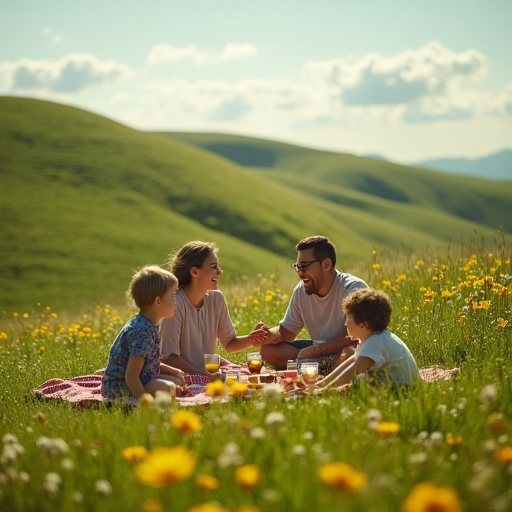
[{"x": 244, "y": 154}]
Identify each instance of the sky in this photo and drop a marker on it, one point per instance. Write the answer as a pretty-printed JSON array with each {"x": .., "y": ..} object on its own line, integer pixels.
[{"x": 407, "y": 80}]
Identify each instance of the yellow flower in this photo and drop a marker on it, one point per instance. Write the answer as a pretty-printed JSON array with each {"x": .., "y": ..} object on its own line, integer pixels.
[
  {"x": 425, "y": 497},
  {"x": 216, "y": 388},
  {"x": 247, "y": 508},
  {"x": 186, "y": 422},
  {"x": 502, "y": 322},
  {"x": 497, "y": 423},
  {"x": 342, "y": 476},
  {"x": 153, "y": 505},
  {"x": 248, "y": 476},
  {"x": 208, "y": 507},
  {"x": 134, "y": 453},
  {"x": 387, "y": 428},
  {"x": 238, "y": 388},
  {"x": 503, "y": 454},
  {"x": 207, "y": 482},
  {"x": 166, "y": 465}
]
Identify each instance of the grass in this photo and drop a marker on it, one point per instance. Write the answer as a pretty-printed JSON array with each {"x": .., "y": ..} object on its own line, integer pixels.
[
  {"x": 452, "y": 308},
  {"x": 86, "y": 200}
]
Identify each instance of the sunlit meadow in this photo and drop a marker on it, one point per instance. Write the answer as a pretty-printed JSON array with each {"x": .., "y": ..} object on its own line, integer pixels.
[{"x": 444, "y": 446}]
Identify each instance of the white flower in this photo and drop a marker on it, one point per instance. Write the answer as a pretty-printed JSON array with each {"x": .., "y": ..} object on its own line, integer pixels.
[
  {"x": 274, "y": 419},
  {"x": 231, "y": 418},
  {"x": 9, "y": 439},
  {"x": 442, "y": 408},
  {"x": 258, "y": 434},
  {"x": 103, "y": 488},
  {"x": 230, "y": 456},
  {"x": 299, "y": 450},
  {"x": 52, "y": 447},
  {"x": 418, "y": 458},
  {"x": 488, "y": 394},
  {"x": 373, "y": 415},
  {"x": 163, "y": 399},
  {"x": 437, "y": 438},
  {"x": 273, "y": 391},
  {"x": 307, "y": 436}
]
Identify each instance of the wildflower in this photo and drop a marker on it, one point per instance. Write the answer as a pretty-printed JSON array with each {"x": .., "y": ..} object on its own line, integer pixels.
[
  {"x": 215, "y": 388},
  {"x": 211, "y": 506},
  {"x": 373, "y": 415},
  {"x": 134, "y": 453},
  {"x": 67, "y": 464},
  {"x": 257, "y": 433},
  {"x": 163, "y": 399},
  {"x": 153, "y": 505},
  {"x": 488, "y": 394},
  {"x": 51, "y": 484},
  {"x": 103, "y": 488},
  {"x": 146, "y": 399},
  {"x": 274, "y": 419},
  {"x": 299, "y": 450},
  {"x": 497, "y": 423},
  {"x": 342, "y": 476},
  {"x": 52, "y": 447},
  {"x": 502, "y": 322},
  {"x": 230, "y": 456},
  {"x": 164, "y": 466},
  {"x": 40, "y": 417},
  {"x": 273, "y": 391},
  {"x": 207, "y": 482},
  {"x": 248, "y": 476},
  {"x": 387, "y": 428},
  {"x": 186, "y": 422},
  {"x": 238, "y": 389},
  {"x": 503, "y": 454},
  {"x": 247, "y": 508},
  {"x": 453, "y": 440},
  {"x": 425, "y": 497}
]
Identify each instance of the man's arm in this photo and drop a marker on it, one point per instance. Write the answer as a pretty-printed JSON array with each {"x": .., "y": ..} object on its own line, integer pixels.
[{"x": 328, "y": 347}]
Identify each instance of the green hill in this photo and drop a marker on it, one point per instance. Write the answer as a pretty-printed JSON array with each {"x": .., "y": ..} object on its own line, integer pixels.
[{"x": 86, "y": 200}]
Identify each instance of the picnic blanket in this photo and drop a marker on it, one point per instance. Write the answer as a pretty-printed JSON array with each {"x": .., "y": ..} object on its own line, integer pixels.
[{"x": 85, "y": 391}]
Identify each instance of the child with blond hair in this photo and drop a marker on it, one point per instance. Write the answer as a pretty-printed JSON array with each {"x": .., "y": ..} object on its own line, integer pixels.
[{"x": 134, "y": 366}]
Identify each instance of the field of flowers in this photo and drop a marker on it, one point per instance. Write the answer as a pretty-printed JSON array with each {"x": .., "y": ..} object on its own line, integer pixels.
[{"x": 444, "y": 446}]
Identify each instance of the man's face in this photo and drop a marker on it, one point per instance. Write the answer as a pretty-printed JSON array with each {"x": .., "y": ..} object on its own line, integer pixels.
[{"x": 311, "y": 271}]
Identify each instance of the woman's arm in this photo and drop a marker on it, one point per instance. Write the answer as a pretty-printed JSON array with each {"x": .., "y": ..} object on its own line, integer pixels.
[
  {"x": 177, "y": 362},
  {"x": 132, "y": 375},
  {"x": 165, "y": 369}
]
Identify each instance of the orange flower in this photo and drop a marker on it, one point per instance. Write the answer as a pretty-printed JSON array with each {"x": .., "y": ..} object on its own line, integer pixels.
[
  {"x": 426, "y": 497},
  {"x": 453, "y": 440},
  {"x": 207, "y": 482},
  {"x": 208, "y": 507},
  {"x": 342, "y": 476},
  {"x": 503, "y": 454},
  {"x": 248, "y": 476},
  {"x": 186, "y": 422}
]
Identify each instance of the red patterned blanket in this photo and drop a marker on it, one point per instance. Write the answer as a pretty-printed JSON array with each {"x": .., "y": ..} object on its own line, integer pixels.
[{"x": 84, "y": 391}]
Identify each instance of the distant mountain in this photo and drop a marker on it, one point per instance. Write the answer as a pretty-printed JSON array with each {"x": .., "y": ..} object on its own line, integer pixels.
[{"x": 496, "y": 167}]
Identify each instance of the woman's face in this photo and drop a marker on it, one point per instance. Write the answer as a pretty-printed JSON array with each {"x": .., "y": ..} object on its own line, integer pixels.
[{"x": 209, "y": 272}]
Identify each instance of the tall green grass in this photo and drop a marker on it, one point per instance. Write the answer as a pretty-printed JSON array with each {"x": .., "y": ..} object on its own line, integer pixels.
[{"x": 452, "y": 308}]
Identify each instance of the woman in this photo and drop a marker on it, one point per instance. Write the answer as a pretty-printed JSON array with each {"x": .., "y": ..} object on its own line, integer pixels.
[{"x": 201, "y": 315}]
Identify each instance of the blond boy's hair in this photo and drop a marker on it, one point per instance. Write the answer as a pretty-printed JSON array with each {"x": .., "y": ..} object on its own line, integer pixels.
[{"x": 150, "y": 282}]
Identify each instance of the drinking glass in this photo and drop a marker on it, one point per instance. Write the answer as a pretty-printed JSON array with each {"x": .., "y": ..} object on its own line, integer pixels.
[
  {"x": 309, "y": 373},
  {"x": 254, "y": 362},
  {"x": 212, "y": 363}
]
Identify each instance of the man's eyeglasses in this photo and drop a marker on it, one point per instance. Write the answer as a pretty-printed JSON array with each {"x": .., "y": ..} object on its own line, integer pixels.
[{"x": 301, "y": 267}]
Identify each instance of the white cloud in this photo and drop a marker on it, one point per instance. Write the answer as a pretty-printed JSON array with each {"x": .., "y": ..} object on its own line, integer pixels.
[
  {"x": 69, "y": 74},
  {"x": 48, "y": 33},
  {"x": 162, "y": 53}
]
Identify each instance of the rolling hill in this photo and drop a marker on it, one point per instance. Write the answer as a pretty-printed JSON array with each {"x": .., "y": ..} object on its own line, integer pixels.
[{"x": 86, "y": 200}]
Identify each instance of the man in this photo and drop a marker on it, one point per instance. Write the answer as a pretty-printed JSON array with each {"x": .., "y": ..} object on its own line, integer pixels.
[{"x": 316, "y": 305}]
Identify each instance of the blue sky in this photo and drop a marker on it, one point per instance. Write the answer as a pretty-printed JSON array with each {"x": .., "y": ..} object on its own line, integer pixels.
[{"x": 409, "y": 80}]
